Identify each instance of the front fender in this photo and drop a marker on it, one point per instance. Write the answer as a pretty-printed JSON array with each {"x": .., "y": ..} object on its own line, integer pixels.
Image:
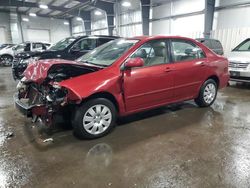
[{"x": 81, "y": 87}]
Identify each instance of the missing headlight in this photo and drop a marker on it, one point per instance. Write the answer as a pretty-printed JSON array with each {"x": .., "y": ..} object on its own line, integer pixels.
[{"x": 56, "y": 96}]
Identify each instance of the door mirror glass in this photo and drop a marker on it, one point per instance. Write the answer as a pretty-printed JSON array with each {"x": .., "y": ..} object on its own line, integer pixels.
[{"x": 134, "y": 62}]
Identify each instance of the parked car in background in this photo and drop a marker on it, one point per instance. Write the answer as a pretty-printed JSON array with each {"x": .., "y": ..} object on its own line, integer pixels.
[
  {"x": 5, "y": 45},
  {"x": 239, "y": 62},
  {"x": 214, "y": 44},
  {"x": 7, "y": 54},
  {"x": 70, "y": 49},
  {"x": 119, "y": 78}
]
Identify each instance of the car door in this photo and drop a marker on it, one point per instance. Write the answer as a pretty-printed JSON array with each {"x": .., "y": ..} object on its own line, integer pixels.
[
  {"x": 190, "y": 68},
  {"x": 82, "y": 47},
  {"x": 152, "y": 84}
]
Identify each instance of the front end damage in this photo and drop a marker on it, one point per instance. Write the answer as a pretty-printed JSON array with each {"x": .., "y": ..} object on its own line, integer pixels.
[
  {"x": 37, "y": 101},
  {"x": 45, "y": 99}
]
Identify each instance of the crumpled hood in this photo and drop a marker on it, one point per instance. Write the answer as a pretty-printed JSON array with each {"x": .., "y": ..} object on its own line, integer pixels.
[
  {"x": 38, "y": 70},
  {"x": 243, "y": 57}
]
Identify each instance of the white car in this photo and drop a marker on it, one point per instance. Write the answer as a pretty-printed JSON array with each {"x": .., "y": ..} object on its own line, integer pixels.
[
  {"x": 239, "y": 62},
  {"x": 7, "y": 54}
]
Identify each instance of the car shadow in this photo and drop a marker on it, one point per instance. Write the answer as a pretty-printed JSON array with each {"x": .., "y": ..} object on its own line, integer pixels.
[
  {"x": 130, "y": 130},
  {"x": 154, "y": 113}
]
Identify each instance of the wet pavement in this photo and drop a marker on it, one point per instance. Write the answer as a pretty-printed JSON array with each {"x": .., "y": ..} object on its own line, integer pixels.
[{"x": 176, "y": 146}]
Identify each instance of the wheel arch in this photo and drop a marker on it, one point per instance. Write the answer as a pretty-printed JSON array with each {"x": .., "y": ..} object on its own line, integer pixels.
[
  {"x": 215, "y": 78},
  {"x": 105, "y": 95},
  {"x": 6, "y": 55}
]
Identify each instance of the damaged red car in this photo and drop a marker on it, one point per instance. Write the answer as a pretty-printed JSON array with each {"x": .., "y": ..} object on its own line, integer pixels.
[{"x": 119, "y": 78}]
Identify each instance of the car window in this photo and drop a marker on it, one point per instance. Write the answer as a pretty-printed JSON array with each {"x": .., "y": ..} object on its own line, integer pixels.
[
  {"x": 63, "y": 44},
  {"x": 20, "y": 47},
  {"x": 216, "y": 44},
  {"x": 37, "y": 45},
  {"x": 85, "y": 44},
  {"x": 244, "y": 46},
  {"x": 207, "y": 43},
  {"x": 153, "y": 53},
  {"x": 103, "y": 40},
  {"x": 183, "y": 50}
]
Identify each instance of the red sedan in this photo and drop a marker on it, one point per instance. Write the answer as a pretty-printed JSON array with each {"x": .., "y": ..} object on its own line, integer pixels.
[{"x": 121, "y": 77}]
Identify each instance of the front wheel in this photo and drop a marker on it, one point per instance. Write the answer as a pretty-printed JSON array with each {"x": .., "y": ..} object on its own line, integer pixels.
[
  {"x": 6, "y": 60},
  {"x": 94, "y": 119},
  {"x": 208, "y": 93}
]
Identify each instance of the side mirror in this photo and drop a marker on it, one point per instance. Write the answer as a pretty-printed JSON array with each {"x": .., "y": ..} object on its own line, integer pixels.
[{"x": 134, "y": 62}]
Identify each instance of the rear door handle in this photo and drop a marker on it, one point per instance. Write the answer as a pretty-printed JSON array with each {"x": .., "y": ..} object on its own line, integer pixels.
[{"x": 168, "y": 69}]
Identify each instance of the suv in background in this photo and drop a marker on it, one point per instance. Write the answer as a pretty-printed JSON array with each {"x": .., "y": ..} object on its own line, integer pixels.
[
  {"x": 7, "y": 54},
  {"x": 239, "y": 62},
  {"x": 213, "y": 44},
  {"x": 70, "y": 48}
]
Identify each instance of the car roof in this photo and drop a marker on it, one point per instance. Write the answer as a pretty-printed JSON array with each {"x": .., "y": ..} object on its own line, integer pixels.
[
  {"x": 203, "y": 39},
  {"x": 160, "y": 37},
  {"x": 96, "y": 36}
]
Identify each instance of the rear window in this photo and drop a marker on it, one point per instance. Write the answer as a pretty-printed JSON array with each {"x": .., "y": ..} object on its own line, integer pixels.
[
  {"x": 216, "y": 44},
  {"x": 207, "y": 43}
]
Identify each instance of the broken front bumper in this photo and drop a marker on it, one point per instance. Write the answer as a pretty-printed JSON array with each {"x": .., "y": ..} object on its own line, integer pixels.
[
  {"x": 24, "y": 108},
  {"x": 28, "y": 110}
]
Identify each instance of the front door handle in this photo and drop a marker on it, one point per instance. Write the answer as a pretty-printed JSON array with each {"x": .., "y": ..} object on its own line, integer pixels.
[{"x": 201, "y": 63}]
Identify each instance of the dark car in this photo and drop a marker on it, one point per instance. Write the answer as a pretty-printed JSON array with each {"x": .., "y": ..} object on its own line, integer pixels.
[
  {"x": 122, "y": 77},
  {"x": 69, "y": 49},
  {"x": 214, "y": 44}
]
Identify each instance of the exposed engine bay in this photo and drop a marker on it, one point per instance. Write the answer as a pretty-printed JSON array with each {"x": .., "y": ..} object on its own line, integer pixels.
[
  {"x": 61, "y": 72},
  {"x": 43, "y": 100}
]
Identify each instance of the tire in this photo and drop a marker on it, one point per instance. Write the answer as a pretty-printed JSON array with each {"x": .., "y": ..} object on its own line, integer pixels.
[
  {"x": 6, "y": 60},
  {"x": 208, "y": 94},
  {"x": 89, "y": 123}
]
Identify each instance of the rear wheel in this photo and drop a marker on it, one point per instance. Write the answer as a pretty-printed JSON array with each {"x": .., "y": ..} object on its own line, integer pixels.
[
  {"x": 95, "y": 118},
  {"x": 208, "y": 93}
]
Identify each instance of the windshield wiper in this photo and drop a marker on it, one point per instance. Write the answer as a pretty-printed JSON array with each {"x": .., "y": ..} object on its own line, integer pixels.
[{"x": 88, "y": 62}]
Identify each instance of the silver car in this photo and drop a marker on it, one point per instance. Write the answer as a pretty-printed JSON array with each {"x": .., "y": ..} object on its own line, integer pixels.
[{"x": 239, "y": 62}]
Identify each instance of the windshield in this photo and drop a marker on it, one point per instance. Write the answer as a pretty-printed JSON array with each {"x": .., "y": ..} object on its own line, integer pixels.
[
  {"x": 19, "y": 47},
  {"x": 4, "y": 46},
  {"x": 243, "y": 47},
  {"x": 108, "y": 53},
  {"x": 61, "y": 45}
]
